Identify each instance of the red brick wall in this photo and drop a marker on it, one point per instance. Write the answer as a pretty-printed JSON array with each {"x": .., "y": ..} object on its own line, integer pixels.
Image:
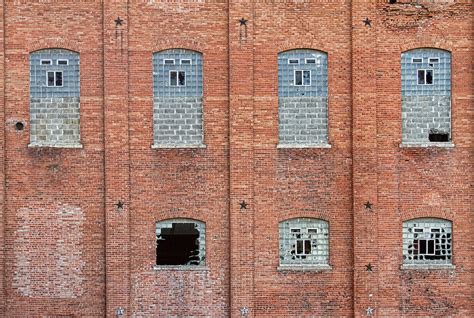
[{"x": 68, "y": 251}]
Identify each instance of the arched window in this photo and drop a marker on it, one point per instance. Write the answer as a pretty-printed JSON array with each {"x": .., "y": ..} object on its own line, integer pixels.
[
  {"x": 304, "y": 241},
  {"x": 303, "y": 98},
  {"x": 426, "y": 96},
  {"x": 54, "y": 98},
  {"x": 180, "y": 242},
  {"x": 177, "y": 91},
  {"x": 427, "y": 241}
]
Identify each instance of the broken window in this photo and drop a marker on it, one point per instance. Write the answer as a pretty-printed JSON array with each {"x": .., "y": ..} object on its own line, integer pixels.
[
  {"x": 180, "y": 242},
  {"x": 426, "y": 96},
  {"x": 427, "y": 241},
  {"x": 304, "y": 241},
  {"x": 425, "y": 77},
  {"x": 302, "y": 78},
  {"x": 54, "y": 79},
  {"x": 177, "y": 78}
]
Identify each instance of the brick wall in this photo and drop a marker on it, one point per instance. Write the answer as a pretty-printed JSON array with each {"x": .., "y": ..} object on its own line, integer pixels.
[{"x": 78, "y": 226}]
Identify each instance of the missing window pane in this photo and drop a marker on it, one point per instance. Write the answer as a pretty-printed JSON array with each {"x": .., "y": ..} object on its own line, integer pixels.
[
  {"x": 173, "y": 78},
  {"x": 178, "y": 245},
  {"x": 421, "y": 77},
  {"x": 59, "y": 79},
  {"x": 181, "y": 78},
  {"x": 50, "y": 78},
  {"x": 306, "y": 78},
  {"x": 429, "y": 77},
  {"x": 298, "y": 78}
]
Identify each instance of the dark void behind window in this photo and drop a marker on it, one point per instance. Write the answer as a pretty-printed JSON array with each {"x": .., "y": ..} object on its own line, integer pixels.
[{"x": 178, "y": 245}]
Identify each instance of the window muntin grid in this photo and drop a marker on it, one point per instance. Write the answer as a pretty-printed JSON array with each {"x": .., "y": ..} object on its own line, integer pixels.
[
  {"x": 427, "y": 241},
  {"x": 49, "y": 60},
  {"x": 318, "y": 73},
  {"x": 304, "y": 241},
  {"x": 162, "y": 66},
  {"x": 199, "y": 258},
  {"x": 438, "y": 61}
]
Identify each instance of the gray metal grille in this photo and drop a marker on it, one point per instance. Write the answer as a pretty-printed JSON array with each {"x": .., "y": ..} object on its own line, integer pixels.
[{"x": 304, "y": 241}]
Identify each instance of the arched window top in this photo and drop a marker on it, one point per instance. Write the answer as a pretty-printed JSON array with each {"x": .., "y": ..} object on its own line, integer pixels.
[
  {"x": 180, "y": 242},
  {"x": 427, "y": 241},
  {"x": 304, "y": 241},
  {"x": 54, "y": 73},
  {"x": 426, "y": 71},
  {"x": 177, "y": 73},
  {"x": 302, "y": 73}
]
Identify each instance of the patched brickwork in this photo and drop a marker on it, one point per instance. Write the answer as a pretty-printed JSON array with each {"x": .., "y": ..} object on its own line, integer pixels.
[
  {"x": 49, "y": 254},
  {"x": 303, "y": 121},
  {"x": 177, "y": 122}
]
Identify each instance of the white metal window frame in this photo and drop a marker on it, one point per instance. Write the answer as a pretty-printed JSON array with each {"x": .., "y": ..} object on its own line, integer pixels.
[
  {"x": 417, "y": 60},
  {"x": 425, "y": 233},
  {"x": 62, "y": 60},
  {"x": 425, "y": 72},
  {"x": 432, "y": 60},
  {"x": 290, "y": 61},
  {"x": 177, "y": 78},
  {"x": 308, "y": 60},
  {"x": 302, "y": 77},
  {"x": 187, "y": 60},
  {"x": 168, "y": 60},
  {"x": 49, "y": 62},
  {"x": 54, "y": 72}
]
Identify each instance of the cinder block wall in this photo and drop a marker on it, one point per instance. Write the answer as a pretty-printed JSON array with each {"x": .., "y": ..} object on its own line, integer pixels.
[{"x": 58, "y": 204}]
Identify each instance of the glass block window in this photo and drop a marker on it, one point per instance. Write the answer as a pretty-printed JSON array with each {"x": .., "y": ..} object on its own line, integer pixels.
[
  {"x": 426, "y": 72},
  {"x": 177, "y": 73},
  {"x": 180, "y": 242},
  {"x": 54, "y": 73},
  {"x": 304, "y": 241},
  {"x": 427, "y": 241},
  {"x": 302, "y": 72}
]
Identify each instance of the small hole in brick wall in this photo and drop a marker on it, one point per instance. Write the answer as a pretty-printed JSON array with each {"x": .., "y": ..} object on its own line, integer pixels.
[
  {"x": 436, "y": 136},
  {"x": 392, "y": 1},
  {"x": 19, "y": 126}
]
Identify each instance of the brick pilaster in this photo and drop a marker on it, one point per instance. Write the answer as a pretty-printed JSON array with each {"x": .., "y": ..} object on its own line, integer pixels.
[
  {"x": 364, "y": 145},
  {"x": 241, "y": 157},
  {"x": 117, "y": 160},
  {"x": 2, "y": 160}
]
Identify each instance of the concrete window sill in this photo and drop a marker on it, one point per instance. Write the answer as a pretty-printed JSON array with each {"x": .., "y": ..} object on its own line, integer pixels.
[
  {"x": 422, "y": 267},
  {"x": 72, "y": 146},
  {"x": 427, "y": 145},
  {"x": 302, "y": 146},
  {"x": 177, "y": 146},
  {"x": 180, "y": 268},
  {"x": 304, "y": 268}
]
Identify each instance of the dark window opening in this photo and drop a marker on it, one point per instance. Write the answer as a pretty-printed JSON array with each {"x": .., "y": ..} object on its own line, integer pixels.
[
  {"x": 59, "y": 79},
  {"x": 436, "y": 136},
  {"x": 178, "y": 245},
  {"x": 392, "y": 1},
  {"x": 177, "y": 78}
]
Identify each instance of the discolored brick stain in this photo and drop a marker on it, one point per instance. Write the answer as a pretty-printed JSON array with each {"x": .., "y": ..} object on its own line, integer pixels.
[{"x": 49, "y": 252}]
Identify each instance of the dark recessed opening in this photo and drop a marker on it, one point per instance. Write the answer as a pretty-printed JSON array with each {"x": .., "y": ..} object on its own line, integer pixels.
[
  {"x": 178, "y": 245},
  {"x": 392, "y": 1},
  {"x": 438, "y": 137},
  {"x": 19, "y": 126}
]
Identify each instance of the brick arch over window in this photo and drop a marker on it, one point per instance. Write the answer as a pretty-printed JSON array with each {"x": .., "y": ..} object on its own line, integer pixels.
[
  {"x": 303, "y": 98},
  {"x": 178, "y": 98},
  {"x": 427, "y": 241},
  {"x": 426, "y": 96},
  {"x": 180, "y": 241},
  {"x": 55, "y": 98},
  {"x": 304, "y": 241}
]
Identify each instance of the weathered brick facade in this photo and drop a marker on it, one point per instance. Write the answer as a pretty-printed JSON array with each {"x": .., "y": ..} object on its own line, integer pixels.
[{"x": 78, "y": 224}]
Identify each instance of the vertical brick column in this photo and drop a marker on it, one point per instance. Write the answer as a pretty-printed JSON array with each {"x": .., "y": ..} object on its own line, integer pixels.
[
  {"x": 364, "y": 145},
  {"x": 2, "y": 160},
  {"x": 241, "y": 157},
  {"x": 117, "y": 158}
]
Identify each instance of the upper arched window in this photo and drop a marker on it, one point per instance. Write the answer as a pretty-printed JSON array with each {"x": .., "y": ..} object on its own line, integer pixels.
[
  {"x": 303, "y": 98},
  {"x": 177, "y": 91},
  {"x": 427, "y": 241},
  {"x": 304, "y": 241},
  {"x": 54, "y": 98},
  {"x": 426, "y": 96},
  {"x": 180, "y": 242}
]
